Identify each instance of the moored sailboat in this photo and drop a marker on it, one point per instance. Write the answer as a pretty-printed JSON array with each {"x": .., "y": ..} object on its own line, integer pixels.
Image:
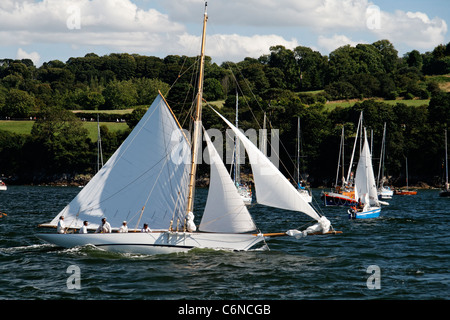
[
  {"x": 384, "y": 192},
  {"x": 445, "y": 192},
  {"x": 151, "y": 178},
  {"x": 407, "y": 191},
  {"x": 302, "y": 186},
  {"x": 244, "y": 189},
  {"x": 365, "y": 188},
  {"x": 3, "y": 186}
]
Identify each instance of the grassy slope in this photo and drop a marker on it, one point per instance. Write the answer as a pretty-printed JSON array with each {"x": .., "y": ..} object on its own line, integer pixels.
[{"x": 24, "y": 127}]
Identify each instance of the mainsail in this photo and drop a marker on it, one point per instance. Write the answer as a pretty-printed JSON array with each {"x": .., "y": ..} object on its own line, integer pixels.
[
  {"x": 365, "y": 187},
  {"x": 272, "y": 187},
  {"x": 225, "y": 210},
  {"x": 145, "y": 180}
]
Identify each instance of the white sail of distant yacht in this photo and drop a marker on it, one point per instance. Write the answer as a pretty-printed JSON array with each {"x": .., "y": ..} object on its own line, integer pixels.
[
  {"x": 384, "y": 192},
  {"x": 365, "y": 187},
  {"x": 3, "y": 186},
  {"x": 301, "y": 185},
  {"x": 244, "y": 190},
  {"x": 151, "y": 179}
]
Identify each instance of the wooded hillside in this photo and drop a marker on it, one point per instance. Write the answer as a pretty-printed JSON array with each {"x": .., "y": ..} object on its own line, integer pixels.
[{"x": 285, "y": 84}]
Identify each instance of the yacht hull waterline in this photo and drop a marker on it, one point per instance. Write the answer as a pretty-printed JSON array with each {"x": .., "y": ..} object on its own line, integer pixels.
[{"x": 155, "y": 242}]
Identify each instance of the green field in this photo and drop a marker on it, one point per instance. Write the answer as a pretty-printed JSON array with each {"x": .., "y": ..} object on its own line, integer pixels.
[
  {"x": 348, "y": 103},
  {"x": 24, "y": 127}
]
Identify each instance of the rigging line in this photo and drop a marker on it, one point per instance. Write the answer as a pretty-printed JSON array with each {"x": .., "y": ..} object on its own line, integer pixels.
[
  {"x": 254, "y": 116},
  {"x": 187, "y": 93},
  {"x": 166, "y": 157},
  {"x": 151, "y": 191}
]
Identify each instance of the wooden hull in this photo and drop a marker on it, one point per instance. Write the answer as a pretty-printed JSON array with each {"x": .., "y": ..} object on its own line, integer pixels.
[
  {"x": 337, "y": 199},
  {"x": 405, "y": 192},
  {"x": 155, "y": 242}
]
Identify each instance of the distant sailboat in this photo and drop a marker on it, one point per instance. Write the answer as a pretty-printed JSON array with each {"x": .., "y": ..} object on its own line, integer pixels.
[
  {"x": 244, "y": 190},
  {"x": 302, "y": 187},
  {"x": 365, "y": 188},
  {"x": 445, "y": 192},
  {"x": 384, "y": 192},
  {"x": 343, "y": 195},
  {"x": 405, "y": 192},
  {"x": 3, "y": 186},
  {"x": 151, "y": 178}
]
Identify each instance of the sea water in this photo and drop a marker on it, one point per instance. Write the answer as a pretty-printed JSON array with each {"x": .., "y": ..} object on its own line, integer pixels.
[{"x": 402, "y": 255}]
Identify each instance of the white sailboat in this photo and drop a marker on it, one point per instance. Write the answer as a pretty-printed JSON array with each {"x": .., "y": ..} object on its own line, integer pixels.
[
  {"x": 445, "y": 192},
  {"x": 151, "y": 178},
  {"x": 244, "y": 190},
  {"x": 3, "y": 186},
  {"x": 301, "y": 185},
  {"x": 365, "y": 187},
  {"x": 384, "y": 192}
]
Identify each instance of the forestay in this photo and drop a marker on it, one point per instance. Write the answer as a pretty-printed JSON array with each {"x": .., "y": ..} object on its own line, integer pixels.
[
  {"x": 145, "y": 180},
  {"x": 225, "y": 210},
  {"x": 272, "y": 187}
]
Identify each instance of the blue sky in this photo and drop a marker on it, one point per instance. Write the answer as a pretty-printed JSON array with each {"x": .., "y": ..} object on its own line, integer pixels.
[{"x": 59, "y": 29}]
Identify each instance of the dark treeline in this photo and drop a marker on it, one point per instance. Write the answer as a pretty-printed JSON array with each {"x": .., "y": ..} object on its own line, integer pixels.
[{"x": 285, "y": 84}]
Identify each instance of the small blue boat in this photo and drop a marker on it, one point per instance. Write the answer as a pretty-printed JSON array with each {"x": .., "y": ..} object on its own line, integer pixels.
[
  {"x": 368, "y": 205},
  {"x": 373, "y": 212}
]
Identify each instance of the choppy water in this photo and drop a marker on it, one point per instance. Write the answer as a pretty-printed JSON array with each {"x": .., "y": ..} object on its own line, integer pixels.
[{"x": 409, "y": 244}]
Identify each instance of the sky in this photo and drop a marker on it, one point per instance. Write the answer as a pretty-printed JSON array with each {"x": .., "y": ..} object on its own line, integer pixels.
[{"x": 48, "y": 30}]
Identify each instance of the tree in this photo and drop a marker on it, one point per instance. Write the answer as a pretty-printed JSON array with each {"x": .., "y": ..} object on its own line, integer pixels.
[
  {"x": 59, "y": 142},
  {"x": 414, "y": 59},
  {"x": 18, "y": 104},
  {"x": 388, "y": 53},
  {"x": 341, "y": 90},
  {"x": 147, "y": 89},
  {"x": 284, "y": 59},
  {"x": 313, "y": 68},
  {"x": 120, "y": 95},
  {"x": 212, "y": 89}
]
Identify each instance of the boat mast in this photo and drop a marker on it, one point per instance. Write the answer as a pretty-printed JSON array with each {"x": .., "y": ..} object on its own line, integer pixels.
[
  {"x": 354, "y": 146},
  {"x": 197, "y": 121},
  {"x": 381, "y": 164},
  {"x": 237, "y": 152},
  {"x": 446, "y": 162},
  {"x": 99, "y": 146},
  {"x": 298, "y": 151}
]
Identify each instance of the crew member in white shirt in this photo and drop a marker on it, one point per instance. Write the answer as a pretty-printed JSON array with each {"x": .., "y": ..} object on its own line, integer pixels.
[
  {"x": 61, "y": 227},
  {"x": 104, "y": 228},
  {"x": 83, "y": 229},
  {"x": 146, "y": 228},
  {"x": 123, "y": 228}
]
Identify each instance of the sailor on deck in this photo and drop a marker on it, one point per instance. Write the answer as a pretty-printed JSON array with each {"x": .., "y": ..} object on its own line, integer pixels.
[
  {"x": 104, "y": 228},
  {"x": 123, "y": 228},
  {"x": 61, "y": 227},
  {"x": 146, "y": 228},
  {"x": 83, "y": 229}
]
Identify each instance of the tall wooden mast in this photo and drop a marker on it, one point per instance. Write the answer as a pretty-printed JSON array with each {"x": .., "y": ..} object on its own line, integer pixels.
[{"x": 197, "y": 121}]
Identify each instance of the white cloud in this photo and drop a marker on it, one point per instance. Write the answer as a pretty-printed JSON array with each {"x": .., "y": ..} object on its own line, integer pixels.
[
  {"x": 118, "y": 24},
  {"x": 232, "y": 47},
  {"x": 124, "y": 26},
  {"x": 335, "y": 41},
  {"x": 414, "y": 29},
  {"x": 33, "y": 56}
]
